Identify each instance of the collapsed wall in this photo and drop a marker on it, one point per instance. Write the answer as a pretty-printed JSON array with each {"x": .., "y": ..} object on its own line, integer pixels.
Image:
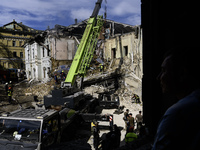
[{"x": 119, "y": 77}]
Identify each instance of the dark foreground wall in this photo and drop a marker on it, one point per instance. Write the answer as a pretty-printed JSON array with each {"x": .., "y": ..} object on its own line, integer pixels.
[{"x": 165, "y": 23}]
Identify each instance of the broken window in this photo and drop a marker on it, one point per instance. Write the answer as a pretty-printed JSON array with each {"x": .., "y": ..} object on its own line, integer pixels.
[
  {"x": 20, "y": 43},
  {"x": 14, "y": 43},
  {"x": 22, "y": 65},
  {"x": 14, "y": 54},
  {"x": 28, "y": 54},
  {"x": 44, "y": 72},
  {"x": 33, "y": 52},
  {"x": 21, "y": 54},
  {"x": 113, "y": 53},
  {"x": 48, "y": 50},
  {"x": 125, "y": 49},
  {"x": 43, "y": 52}
]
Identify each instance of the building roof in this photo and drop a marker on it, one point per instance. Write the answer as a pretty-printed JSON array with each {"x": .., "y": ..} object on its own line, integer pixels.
[
  {"x": 79, "y": 28},
  {"x": 12, "y": 27}
]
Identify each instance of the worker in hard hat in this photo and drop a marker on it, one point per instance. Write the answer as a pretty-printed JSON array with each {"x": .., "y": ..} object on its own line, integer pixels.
[
  {"x": 130, "y": 136},
  {"x": 10, "y": 94},
  {"x": 63, "y": 75},
  {"x": 101, "y": 67}
]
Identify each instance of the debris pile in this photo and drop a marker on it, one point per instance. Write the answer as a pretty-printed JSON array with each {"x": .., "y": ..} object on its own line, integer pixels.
[
  {"x": 40, "y": 89},
  {"x": 128, "y": 83}
]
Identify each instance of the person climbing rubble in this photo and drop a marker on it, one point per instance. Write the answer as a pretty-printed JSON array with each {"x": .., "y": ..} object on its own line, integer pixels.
[{"x": 135, "y": 99}]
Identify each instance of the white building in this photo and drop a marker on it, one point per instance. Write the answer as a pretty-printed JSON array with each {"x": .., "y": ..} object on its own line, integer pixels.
[
  {"x": 37, "y": 60},
  {"x": 46, "y": 52}
]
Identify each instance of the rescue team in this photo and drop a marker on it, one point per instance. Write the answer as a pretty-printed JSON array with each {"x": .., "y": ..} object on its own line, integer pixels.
[{"x": 112, "y": 139}]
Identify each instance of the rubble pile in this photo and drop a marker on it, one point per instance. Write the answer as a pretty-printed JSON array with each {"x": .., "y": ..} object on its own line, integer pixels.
[
  {"x": 128, "y": 82},
  {"x": 40, "y": 89}
]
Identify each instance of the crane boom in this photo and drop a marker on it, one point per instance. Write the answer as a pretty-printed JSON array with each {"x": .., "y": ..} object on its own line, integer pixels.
[{"x": 86, "y": 48}]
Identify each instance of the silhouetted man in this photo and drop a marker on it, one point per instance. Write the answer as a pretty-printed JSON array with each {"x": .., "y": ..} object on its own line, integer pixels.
[{"x": 180, "y": 126}]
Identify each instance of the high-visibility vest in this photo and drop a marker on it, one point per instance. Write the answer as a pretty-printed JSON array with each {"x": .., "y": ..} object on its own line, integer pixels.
[
  {"x": 9, "y": 93},
  {"x": 130, "y": 137}
]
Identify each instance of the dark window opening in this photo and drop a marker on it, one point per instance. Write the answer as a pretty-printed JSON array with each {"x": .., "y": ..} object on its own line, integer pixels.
[
  {"x": 21, "y": 54},
  {"x": 113, "y": 53},
  {"x": 14, "y": 54},
  {"x": 14, "y": 43},
  {"x": 125, "y": 50}
]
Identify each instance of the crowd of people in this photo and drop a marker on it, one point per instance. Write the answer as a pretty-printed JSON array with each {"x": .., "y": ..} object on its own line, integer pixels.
[
  {"x": 131, "y": 132},
  {"x": 112, "y": 139}
]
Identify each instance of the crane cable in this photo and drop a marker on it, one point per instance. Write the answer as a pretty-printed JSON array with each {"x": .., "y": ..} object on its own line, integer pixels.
[{"x": 105, "y": 13}]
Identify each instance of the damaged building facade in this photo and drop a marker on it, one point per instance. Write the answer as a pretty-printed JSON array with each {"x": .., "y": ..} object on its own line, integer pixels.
[
  {"x": 120, "y": 46},
  {"x": 38, "y": 60},
  {"x": 123, "y": 48},
  {"x": 44, "y": 53}
]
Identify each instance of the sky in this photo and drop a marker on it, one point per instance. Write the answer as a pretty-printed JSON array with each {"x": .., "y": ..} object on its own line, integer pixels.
[{"x": 39, "y": 14}]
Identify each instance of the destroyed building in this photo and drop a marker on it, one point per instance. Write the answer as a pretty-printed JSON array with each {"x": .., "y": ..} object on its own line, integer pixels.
[
  {"x": 119, "y": 45},
  {"x": 128, "y": 44},
  {"x": 123, "y": 48},
  {"x": 47, "y": 51}
]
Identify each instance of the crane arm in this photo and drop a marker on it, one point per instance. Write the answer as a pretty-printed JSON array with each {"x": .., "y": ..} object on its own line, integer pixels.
[{"x": 86, "y": 48}]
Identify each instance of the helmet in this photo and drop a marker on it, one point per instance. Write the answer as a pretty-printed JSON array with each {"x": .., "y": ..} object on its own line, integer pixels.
[{"x": 9, "y": 88}]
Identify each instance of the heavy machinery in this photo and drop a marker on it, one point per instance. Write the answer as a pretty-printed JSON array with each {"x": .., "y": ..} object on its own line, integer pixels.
[
  {"x": 69, "y": 95},
  {"x": 108, "y": 100},
  {"x": 86, "y": 47},
  {"x": 33, "y": 129}
]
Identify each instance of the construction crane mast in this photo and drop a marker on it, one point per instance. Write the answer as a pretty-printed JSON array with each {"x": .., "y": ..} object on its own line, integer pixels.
[{"x": 86, "y": 47}]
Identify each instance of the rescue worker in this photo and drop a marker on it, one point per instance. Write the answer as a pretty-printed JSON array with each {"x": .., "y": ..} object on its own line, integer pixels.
[
  {"x": 130, "y": 123},
  {"x": 10, "y": 85},
  {"x": 62, "y": 75},
  {"x": 9, "y": 95},
  {"x": 96, "y": 135},
  {"x": 130, "y": 136},
  {"x": 101, "y": 67},
  {"x": 6, "y": 88},
  {"x": 139, "y": 119},
  {"x": 125, "y": 118},
  {"x": 137, "y": 99}
]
